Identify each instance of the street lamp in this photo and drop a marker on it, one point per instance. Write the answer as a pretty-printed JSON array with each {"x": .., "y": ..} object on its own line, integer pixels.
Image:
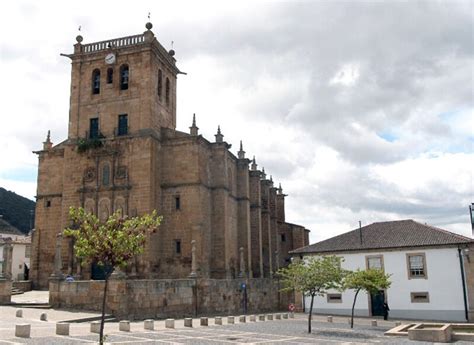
[{"x": 471, "y": 213}]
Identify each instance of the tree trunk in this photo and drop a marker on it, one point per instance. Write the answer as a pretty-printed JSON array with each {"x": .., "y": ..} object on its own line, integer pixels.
[
  {"x": 310, "y": 316},
  {"x": 101, "y": 334},
  {"x": 353, "y": 306}
]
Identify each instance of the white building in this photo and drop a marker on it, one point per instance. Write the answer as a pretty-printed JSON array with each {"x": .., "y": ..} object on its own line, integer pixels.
[
  {"x": 431, "y": 272},
  {"x": 21, "y": 249}
]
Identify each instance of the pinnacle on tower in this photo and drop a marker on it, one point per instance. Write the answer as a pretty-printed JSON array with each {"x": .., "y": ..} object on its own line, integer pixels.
[
  {"x": 193, "y": 130},
  {"x": 48, "y": 144},
  {"x": 254, "y": 164},
  {"x": 280, "y": 190},
  {"x": 264, "y": 176},
  {"x": 219, "y": 136},
  {"x": 241, "y": 153}
]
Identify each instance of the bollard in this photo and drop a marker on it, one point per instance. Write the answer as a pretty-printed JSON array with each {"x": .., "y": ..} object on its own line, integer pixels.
[
  {"x": 188, "y": 322},
  {"x": 277, "y": 316},
  {"x": 230, "y": 320},
  {"x": 292, "y": 315},
  {"x": 253, "y": 318},
  {"x": 22, "y": 330},
  {"x": 62, "y": 328},
  {"x": 149, "y": 325},
  {"x": 218, "y": 320},
  {"x": 398, "y": 323},
  {"x": 373, "y": 323},
  {"x": 285, "y": 315},
  {"x": 44, "y": 317},
  {"x": 169, "y": 323},
  {"x": 242, "y": 319},
  {"x": 261, "y": 318},
  {"x": 330, "y": 319},
  {"x": 19, "y": 313},
  {"x": 270, "y": 317},
  {"x": 204, "y": 321},
  {"x": 95, "y": 327},
  {"x": 124, "y": 326}
]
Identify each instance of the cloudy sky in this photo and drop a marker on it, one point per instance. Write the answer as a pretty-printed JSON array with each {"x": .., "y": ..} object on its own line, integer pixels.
[{"x": 362, "y": 110}]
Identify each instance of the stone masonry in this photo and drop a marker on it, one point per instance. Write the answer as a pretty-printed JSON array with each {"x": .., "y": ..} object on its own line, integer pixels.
[{"x": 123, "y": 101}]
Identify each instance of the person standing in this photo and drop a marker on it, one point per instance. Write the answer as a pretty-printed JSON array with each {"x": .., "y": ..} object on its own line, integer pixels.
[{"x": 385, "y": 310}]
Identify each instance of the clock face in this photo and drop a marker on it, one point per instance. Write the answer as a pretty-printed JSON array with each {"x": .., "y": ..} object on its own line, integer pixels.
[{"x": 110, "y": 58}]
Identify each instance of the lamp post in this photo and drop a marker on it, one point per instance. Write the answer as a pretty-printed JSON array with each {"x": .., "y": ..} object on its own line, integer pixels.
[{"x": 471, "y": 214}]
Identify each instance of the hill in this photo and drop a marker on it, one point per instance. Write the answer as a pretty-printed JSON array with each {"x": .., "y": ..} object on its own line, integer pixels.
[{"x": 16, "y": 210}]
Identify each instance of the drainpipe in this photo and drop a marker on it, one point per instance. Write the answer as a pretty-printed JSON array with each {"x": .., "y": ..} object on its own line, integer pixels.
[{"x": 461, "y": 265}]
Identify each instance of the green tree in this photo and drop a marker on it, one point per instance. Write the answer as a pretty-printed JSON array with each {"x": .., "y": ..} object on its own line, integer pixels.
[
  {"x": 109, "y": 244},
  {"x": 313, "y": 277},
  {"x": 371, "y": 281}
]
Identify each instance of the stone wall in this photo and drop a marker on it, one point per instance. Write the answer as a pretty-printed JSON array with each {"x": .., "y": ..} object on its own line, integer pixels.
[
  {"x": 23, "y": 285},
  {"x": 153, "y": 298},
  {"x": 5, "y": 291}
]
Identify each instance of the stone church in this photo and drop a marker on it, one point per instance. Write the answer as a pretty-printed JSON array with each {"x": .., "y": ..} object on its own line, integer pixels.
[{"x": 123, "y": 152}]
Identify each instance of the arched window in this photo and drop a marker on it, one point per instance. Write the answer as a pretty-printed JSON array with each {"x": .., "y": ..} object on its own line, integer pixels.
[
  {"x": 167, "y": 96},
  {"x": 124, "y": 77},
  {"x": 105, "y": 175},
  {"x": 110, "y": 75},
  {"x": 96, "y": 82},
  {"x": 160, "y": 83}
]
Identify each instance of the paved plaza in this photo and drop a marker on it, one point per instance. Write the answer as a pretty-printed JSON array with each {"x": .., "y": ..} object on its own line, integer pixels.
[{"x": 285, "y": 331}]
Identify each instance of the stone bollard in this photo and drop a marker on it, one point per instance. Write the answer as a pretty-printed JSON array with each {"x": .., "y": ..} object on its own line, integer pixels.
[
  {"x": 23, "y": 330},
  {"x": 19, "y": 313},
  {"x": 230, "y": 320},
  {"x": 62, "y": 328},
  {"x": 253, "y": 318},
  {"x": 44, "y": 317},
  {"x": 269, "y": 316},
  {"x": 149, "y": 324},
  {"x": 124, "y": 326},
  {"x": 218, "y": 320},
  {"x": 285, "y": 315},
  {"x": 373, "y": 323},
  {"x": 277, "y": 316},
  {"x": 188, "y": 322},
  {"x": 204, "y": 321},
  {"x": 242, "y": 319},
  {"x": 330, "y": 319},
  {"x": 95, "y": 327},
  {"x": 169, "y": 323},
  {"x": 261, "y": 318},
  {"x": 398, "y": 323},
  {"x": 292, "y": 315}
]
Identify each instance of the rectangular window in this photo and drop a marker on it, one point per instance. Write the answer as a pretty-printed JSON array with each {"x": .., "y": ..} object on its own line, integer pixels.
[
  {"x": 283, "y": 238},
  {"x": 122, "y": 124},
  {"x": 416, "y": 265},
  {"x": 177, "y": 244},
  {"x": 110, "y": 75},
  {"x": 334, "y": 298},
  {"x": 48, "y": 203},
  {"x": 177, "y": 202},
  {"x": 94, "y": 128},
  {"x": 420, "y": 297},
  {"x": 374, "y": 262}
]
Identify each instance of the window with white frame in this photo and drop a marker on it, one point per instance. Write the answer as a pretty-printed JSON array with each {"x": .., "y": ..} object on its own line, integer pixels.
[
  {"x": 374, "y": 262},
  {"x": 416, "y": 265}
]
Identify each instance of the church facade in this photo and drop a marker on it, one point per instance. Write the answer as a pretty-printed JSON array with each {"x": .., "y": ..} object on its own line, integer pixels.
[{"x": 123, "y": 153}]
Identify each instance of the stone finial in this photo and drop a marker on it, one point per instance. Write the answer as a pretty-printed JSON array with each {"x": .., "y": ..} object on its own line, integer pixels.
[
  {"x": 242, "y": 263},
  {"x": 219, "y": 136},
  {"x": 280, "y": 190},
  {"x": 241, "y": 153},
  {"x": 271, "y": 178},
  {"x": 48, "y": 144},
  {"x": 254, "y": 164},
  {"x": 264, "y": 176},
  {"x": 193, "y": 130},
  {"x": 193, "y": 273}
]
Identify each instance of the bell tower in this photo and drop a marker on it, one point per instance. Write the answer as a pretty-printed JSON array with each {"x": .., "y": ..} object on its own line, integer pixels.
[{"x": 122, "y": 86}]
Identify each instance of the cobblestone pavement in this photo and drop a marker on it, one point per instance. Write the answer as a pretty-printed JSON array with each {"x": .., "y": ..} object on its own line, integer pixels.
[{"x": 284, "y": 332}]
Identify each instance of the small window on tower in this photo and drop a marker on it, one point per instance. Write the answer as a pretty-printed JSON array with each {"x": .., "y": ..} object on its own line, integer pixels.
[
  {"x": 124, "y": 77},
  {"x": 48, "y": 203},
  {"x": 177, "y": 245},
  {"x": 160, "y": 83},
  {"x": 94, "y": 128},
  {"x": 96, "y": 82},
  {"x": 122, "y": 124},
  {"x": 283, "y": 237},
  {"x": 167, "y": 91},
  {"x": 177, "y": 201},
  {"x": 110, "y": 75}
]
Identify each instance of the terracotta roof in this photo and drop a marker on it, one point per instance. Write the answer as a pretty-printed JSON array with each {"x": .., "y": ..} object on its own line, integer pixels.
[{"x": 382, "y": 235}]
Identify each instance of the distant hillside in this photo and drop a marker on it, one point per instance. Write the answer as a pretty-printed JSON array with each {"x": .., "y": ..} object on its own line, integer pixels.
[{"x": 16, "y": 210}]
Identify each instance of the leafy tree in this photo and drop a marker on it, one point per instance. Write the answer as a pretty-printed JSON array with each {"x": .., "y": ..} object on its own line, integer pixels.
[
  {"x": 110, "y": 244},
  {"x": 314, "y": 276},
  {"x": 371, "y": 281}
]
